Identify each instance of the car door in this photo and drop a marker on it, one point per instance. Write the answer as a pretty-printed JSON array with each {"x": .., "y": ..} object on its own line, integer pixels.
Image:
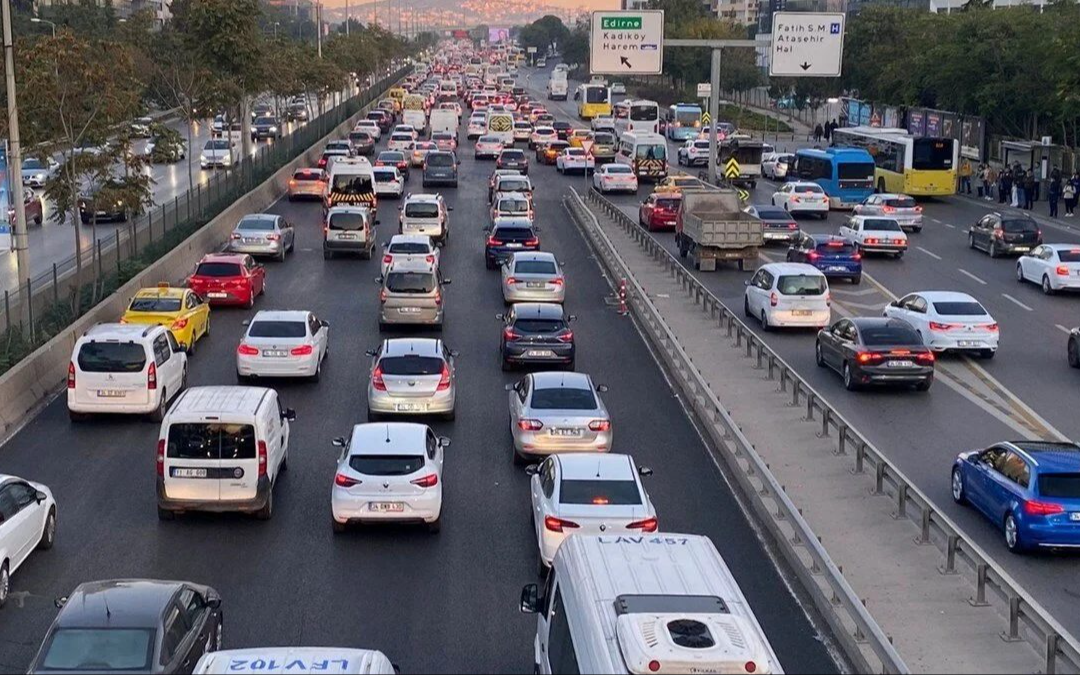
[
  {"x": 201, "y": 627},
  {"x": 176, "y": 640},
  {"x": 199, "y": 312},
  {"x": 434, "y": 452},
  {"x": 849, "y": 230},
  {"x": 1038, "y": 263},
  {"x": 518, "y": 396},
  {"x": 781, "y": 196},
  {"x": 977, "y": 478},
  {"x": 983, "y": 230},
  {"x": 833, "y": 340},
  {"x": 256, "y": 274},
  {"x": 21, "y": 518},
  {"x": 167, "y": 363},
  {"x": 548, "y": 479},
  {"x": 1009, "y": 481}
]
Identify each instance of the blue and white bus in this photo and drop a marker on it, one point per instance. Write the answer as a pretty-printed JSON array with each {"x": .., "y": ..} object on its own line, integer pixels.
[
  {"x": 846, "y": 174},
  {"x": 683, "y": 121}
]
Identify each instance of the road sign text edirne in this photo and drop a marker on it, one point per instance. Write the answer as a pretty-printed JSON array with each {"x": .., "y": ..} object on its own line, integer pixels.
[
  {"x": 627, "y": 43},
  {"x": 807, "y": 44}
]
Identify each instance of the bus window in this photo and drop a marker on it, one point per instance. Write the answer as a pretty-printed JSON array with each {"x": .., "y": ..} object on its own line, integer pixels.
[
  {"x": 813, "y": 168},
  {"x": 596, "y": 95},
  {"x": 644, "y": 113},
  {"x": 931, "y": 154},
  {"x": 855, "y": 171}
]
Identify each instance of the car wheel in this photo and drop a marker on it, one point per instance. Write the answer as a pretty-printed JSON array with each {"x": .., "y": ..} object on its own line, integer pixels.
[
  {"x": 1019, "y": 272},
  {"x": 746, "y": 307},
  {"x": 993, "y": 251},
  {"x": 1012, "y": 535},
  {"x": 5, "y": 583},
  {"x": 159, "y": 413},
  {"x": 450, "y": 416},
  {"x": 765, "y": 326},
  {"x": 1046, "y": 287},
  {"x": 37, "y": 220},
  {"x": 916, "y": 230},
  {"x": 818, "y": 358},
  {"x": 372, "y": 416},
  {"x": 318, "y": 372},
  {"x": 1074, "y": 353},
  {"x": 76, "y": 418},
  {"x": 434, "y": 526},
  {"x": 849, "y": 382},
  {"x": 959, "y": 495},
  {"x": 165, "y": 514},
  {"x": 48, "y": 533},
  {"x": 924, "y": 385},
  {"x": 281, "y": 255},
  {"x": 856, "y": 280},
  {"x": 971, "y": 240},
  {"x": 337, "y": 527},
  {"x": 190, "y": 348},
  {"x": 987, "y": 353},
  {"x": 267, "y": 511},
  {"x": 219, "y": 633}
]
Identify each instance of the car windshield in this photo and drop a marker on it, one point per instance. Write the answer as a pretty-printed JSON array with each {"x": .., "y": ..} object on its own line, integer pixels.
[
  {"x": 960, "y": 308},
  {"x": 1059, "y": 485},
  {"x": 277, "y": 329},
  {"x": 206, "y": 440},
  {"x": 440, "y": 159},
  {"x": 421, "y": 210},
  {"x": 600, "y": 492},
  {"x": 1019, "y": 225},
  {"x": 877, "y": 336},
  {"x": 410, "y": 282},
  {"x": 535, "y": 267},
  {"x": 411, "y": 365},
  {"x": 881, "y": 225},
  {"x": 217, "y": 269},
  {"x": 563, "y": 398},
  {"x": 386, "y": 465},
  {"x": 99, "y": 649},
  {"x": 33, "y": 164},
  {"x": 346, "y": 221},
  {"x": 217, "y": 145},
  {"x": 802, "y": 284},
  {"x": 153, "y": 304},
  {"x": 260, "y": 224},
  {"x": 112, "y": 357}
]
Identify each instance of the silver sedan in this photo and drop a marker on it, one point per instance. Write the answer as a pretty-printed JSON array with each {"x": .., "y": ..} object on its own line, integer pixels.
[
  {"x": 262, "y": 234},
  {"x": 412, "y": 376},
  {"x": 902, "y": 208},
  {"x": 553, "y": 412},
  {"x": 533, "y": 277}
]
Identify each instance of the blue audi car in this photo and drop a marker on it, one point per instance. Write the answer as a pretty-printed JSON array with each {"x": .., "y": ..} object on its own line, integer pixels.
[
  {"x": 835, "y": 256},
  {"x": 1028, "y": 489}
]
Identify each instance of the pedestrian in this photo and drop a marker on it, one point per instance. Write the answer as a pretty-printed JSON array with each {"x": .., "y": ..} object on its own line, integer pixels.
[
  {"x": 991, "y": 181},
  {"x": 1053, "y": 193},
  {"x": 1029, "y": 190},
  {"x": 1069, "y": 193},
  {"x": 819, "y": 132},
  {"x": 965, "y": 176},
  {"x": 1004, "y": 184}
]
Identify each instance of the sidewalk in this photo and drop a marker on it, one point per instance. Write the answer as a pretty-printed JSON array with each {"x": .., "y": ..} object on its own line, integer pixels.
[{"x": 1037, "y": 212}]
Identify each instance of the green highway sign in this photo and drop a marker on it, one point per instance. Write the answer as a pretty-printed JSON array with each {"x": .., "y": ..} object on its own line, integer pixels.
[
  {"x": 627, "y": 43},
  {"x": 620, "y": 23}
]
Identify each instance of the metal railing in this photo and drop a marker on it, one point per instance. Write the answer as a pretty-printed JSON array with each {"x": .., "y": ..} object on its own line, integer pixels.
[{"x": 1025, "y": 618}]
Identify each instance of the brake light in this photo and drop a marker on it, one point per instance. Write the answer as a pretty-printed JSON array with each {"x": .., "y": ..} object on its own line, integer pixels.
[
  {"x": 870, "y": 240},
  {"x": 429, "y": 259},
  {"x": 813, "y": 255},
  {"x": 302, "y": 350},
  {"x": 377, "y": 382},
  {"x": 71, "y": 375},
  {"x": 292, "y": 182},
  {"x": 161, "y": 458},
  {"x": 941, "y": 327},
  {"x": 600, "y": 425},
  {"x": 151, "y": 377},
  {"x": 438, "y": 297},
  {"x": 857, "y": 257},
  {"x": 511, "y": 280},
  {"x": 273, "y": 237},
  {"x": 1036, "y": 508},
  {"x": 262, "y": 459},
  {"x": 535, "y": 241},
  {"x": 925, "y": 357},
  {"x": 341, "y": 480},
  {"x": 530, "y": 425},
  {"x": 774, "y": 299},
  {"x": 1062, "y": 271},
  {"x": 247, "y": 350},
  {"x": 868, "y": 357},
  {"x": 444, "y": 379},
  {"x": 647, "y": 525},
  {"x": 492, "y": 241},
  {"x": 387, "y": 259},
  {"x": 234, "y": 235},
  {"x": 179, "y": 324},
  {"x": 998, "y": 234},
  {"x": 428, "y": 481},
  {"x": 889, "y": 209},
  {"x": 510, "y": 334},
  {"x": 553, "y": 524},
  {"x": 918, "y": 209},
  {"x": 382, "y": 295},
  {"x": 992, "y": 327},
  {"x": 322, "y": 162},
  {"x": 792, "y": 226}
]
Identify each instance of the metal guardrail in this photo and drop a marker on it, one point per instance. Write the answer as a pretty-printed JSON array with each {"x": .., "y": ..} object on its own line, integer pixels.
[{"x": 1025, "y": 618}]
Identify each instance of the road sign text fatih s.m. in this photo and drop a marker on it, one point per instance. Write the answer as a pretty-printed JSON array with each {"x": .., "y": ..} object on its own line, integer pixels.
[{"x": 807, "y": 44}]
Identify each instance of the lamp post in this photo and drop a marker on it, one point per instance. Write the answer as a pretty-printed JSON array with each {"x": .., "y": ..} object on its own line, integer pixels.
[
  {"x": 19, "y": 242},
  {"x": 51, "y": 25}
]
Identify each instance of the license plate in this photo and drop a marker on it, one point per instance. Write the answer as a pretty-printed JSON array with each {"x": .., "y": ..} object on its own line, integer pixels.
[
  {"x": 968, "y": 343},
  {"x": 539, "y": 353},
  {"x": 409, "y": 310},
  {"x": 513, "y": 246},
  {"x": 189, "y": 473},
  {"x": 111, "y": 393},
  {"x": 901, "y": 364},
  {"x": 217, "y": 295},
  {"x": 801, "y": 312},
  {"x": 386, "y": 507},
  {"x": 1074, "y": 516},
  {"x": 410, "y": 407},
  {"x": 275, "y": 353},
  {"x": 837, "y": 268},
  {"x": 565, "y": 432},
  {"x": 248, "y": 240},
  {"x": 535, "y": 284},
  {"x": 346, "y": 236},
  {"x": 1022, "y": 248}
]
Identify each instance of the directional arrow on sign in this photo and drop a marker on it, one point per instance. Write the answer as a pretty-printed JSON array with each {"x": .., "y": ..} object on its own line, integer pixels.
[
  {"x": 732, "y": 169},
  {"x": 805, "y": 65},
  {"x": 625, "y": 61}
]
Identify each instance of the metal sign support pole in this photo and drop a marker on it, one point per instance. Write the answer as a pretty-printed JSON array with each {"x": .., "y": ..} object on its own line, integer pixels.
[{"x": 714, "y": 113}]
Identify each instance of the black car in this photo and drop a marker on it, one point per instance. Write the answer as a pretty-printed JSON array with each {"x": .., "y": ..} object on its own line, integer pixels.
[
  {"x": 507, "y": 236},
  {"x": 363, "y": 142},
  {"x": 562, "y": 129},
  {"x": 383, "y": 118},
  {"x": 777, "y": 223},
  {"x": 99, "y": 204},
  {"x": 265, "y": 127},
  {"x": 536, "y": 333},
  {"x": 999, "y": 234},
  {"x": 440, "y": 168},
  {"x": 835, "y": 256},
  {"x": 513, "y": 159},
  {"x": 873, "y": 350},
  {"x": 132, "y": 626}
]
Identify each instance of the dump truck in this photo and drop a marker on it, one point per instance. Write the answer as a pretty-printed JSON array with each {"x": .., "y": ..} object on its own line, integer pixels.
[{"x": 712, "y": 227}]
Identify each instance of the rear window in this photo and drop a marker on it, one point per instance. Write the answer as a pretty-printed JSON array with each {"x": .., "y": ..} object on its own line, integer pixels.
[
  {"x": 99, "y": 649},
  {"x": 384, "y": 176},
  {"x": 1019, "y": 225},
  {"x": 514, "y": 186},
  {"x": 1070, "y": 256},
  {"x": 668, "y": 204},
  {"x": 361, "y": 136},
  {"x": 540, "y": 325},
  {"x": 876, "y": 336},
  {"x": 421, "y": 210},
  {"x": 534, "y": 267},
  {"x": 278, "y": 329},
  {"x": 256, "y": 224},
  {"x": 619, "y": 168},
  {"x": 386, "y": 465},
  {"x": 307, "y": 175},
  {"x": 410, "y": 282},
  {"x": 808, "y": 189},
  {"x": 1060, "y": 485},
  {"x": 217, "y": 269},
  {"x": 411, "y": 365},
  {"x": 513, "y": 206},
  {"x": 155, "y": 305},
  {"x": 112, "y": 357},
  {"x": 408, "y": 247},
  {"x": 346, "y": 221},
  {"x": 512, "y": 154},
  {"x": 440, "y": 159},
  {"x": 393, "y": 156},
  {"x": 701, "y": 145},
  {"x": 773, "y": 214},
  {"x": 801, "y": 284},
  {"x": 855, "y": 171},
  {"x": 600, "y": 492},
  {"x": 211, "y": 441},
  {"x": 836, "y": 247},
  {"x": 959, "y": 309},
  {"x": 881, "y": 225},
  {"x": 563, "y": 399},
  {"x": 901, "y": 203}
]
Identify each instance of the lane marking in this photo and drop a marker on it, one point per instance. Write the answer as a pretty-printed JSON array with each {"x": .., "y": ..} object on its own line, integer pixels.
[
  {"x": 1063, "y": 329},
  {"x": 970, "y": 275},
  {"x": 950, "y": 225},
  {"x": 936, "y": 220},
  {"x": 877, "y": 307},
  {"x": 933, "y": 255},
  {"x": 1015, "y": 301},
  {"x": 843, "y": 291}
]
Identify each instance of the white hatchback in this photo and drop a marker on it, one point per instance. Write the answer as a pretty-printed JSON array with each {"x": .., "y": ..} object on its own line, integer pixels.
[
  {"x": 388, "y": 472},
  {"x": 948, "y": 321},
  {"x": 27, "y": 522},
  {"x": 788, "y": 295},
  {"x": 802, "y": 197},
  {"x": 615, "y": 177},
  {"x": 370, "y": 126},
  {"x": 1055, "y": 267},
  {"x": 401, "y": 142},
  {"x": 388, "y": 181},
  {"x": 409, "y": 248},
  {"x": 283, "y": 344}
]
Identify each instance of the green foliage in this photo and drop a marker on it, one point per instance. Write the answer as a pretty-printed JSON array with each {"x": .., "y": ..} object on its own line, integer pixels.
[{"x": 543, "y": 33}]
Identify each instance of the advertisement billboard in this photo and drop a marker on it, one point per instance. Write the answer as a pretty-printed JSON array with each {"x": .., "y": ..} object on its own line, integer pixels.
[
  {"x": 498, "y": 34},
  {"x": 916, "y": 122},
  {"x": 971, "y": 137},
  {"x": 933, "y": 123}
]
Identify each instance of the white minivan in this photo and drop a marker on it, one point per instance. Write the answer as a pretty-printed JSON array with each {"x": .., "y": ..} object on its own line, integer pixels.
[
  {"x": 131, "y": 369},
  {"x": 295, "y": 660},
  {"x": 788, "y": 295},
  {"x": 222, "y": 449}
]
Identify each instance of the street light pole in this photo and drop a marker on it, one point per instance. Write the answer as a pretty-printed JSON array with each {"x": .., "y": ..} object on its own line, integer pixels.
[
  {"x": 318, "y": 26},
  {"x": 52, "y": 25},
  {"x": 20, "y": 243}
]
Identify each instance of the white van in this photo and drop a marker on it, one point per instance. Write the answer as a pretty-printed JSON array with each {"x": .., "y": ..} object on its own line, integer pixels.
[
  {"x": 222, "y": 449},
  {"x": 444, "y": 120},
  {"x": 132, "y": 369},
  {"x": 788, "y": 295},
  {"x": 501, "y": 124},
  {"x": 295, "y": 660},
  {"x": 645, "y": 153},
  {"x": 351, "y": 181},
  {"x": 416, "y": 117},
  {"x": 663, "y": 603}
]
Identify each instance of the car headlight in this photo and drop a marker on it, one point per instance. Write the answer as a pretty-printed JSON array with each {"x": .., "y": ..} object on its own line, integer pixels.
[
  {"x": 273, "y": 130},
  {"x": 203, "y": 159},
  {"x": 39, "y": 177}
]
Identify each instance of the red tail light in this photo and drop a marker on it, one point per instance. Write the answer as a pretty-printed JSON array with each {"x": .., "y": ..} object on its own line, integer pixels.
[
  {"x": 71, "y": 375},
  {"x": 430, "y": 259},
  {"x": 857, "y": 257},
  {"x": 530, "y": 425},
  {"x": 870, "y": 240},
  {"x": 377, "y": 382},
  {"x": 262, "y": 459},
  {"x": 382, "y": 295},
  {"x": 247, "y": 350},
  {"x": 444, "y": 379},
  {"x": 1062, "y": 271},
  {"x": 647, "y": 525},
  {"x": 302, "y": 350},
  {"x": 341, "y": 480},
  {"x": 774, "y": 299},
  {"x": 179, "y": 324},
  {"x": 556, "y": 282},
  {"x": 428, "y": 481},
  {"x": 925, "y": 357},
  {"x": 151, "y": 377},
  {"x": 941, "y": 327},
  {"x": 813, "y": 255},
  {"x": 889, "y": 209},
  {"x": 1035, "y": 508},
  {"x": 322, "y": 162},
  {"x": 869, "y": 357},
  {"x": 161, "y": 458},
  {"x": 992, "y": 327},
  {"x": 438, "y": 297},
  {"x": 509, "y": 334},
  {"x": 273, "y": 237},
  {"x": 387, "y": 259},
  {"x": 600, "y": 425},
  {"x": 535, "y": 241},
  {"x": 553, "y": 524},
  {"x": 568, "y": 336},
  {"x": 792, "y": 226},
  {"x": 511, "y": 280},
  {"x": 492, "y": 241},
  {"x": 918, "y": 209}
]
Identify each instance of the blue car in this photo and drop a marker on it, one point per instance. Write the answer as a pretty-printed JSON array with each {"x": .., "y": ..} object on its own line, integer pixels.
[
  {"x": 1029, "y": 489},
  {"x": 836, "y": 257}
]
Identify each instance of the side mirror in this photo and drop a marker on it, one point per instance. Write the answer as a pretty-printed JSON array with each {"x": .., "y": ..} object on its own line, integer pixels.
[
  {"x": 214, "y": 603},
  {"x": 378, "y": 280},
  {"x": 500, "y": 317},
  {"x": 325, "y": 324},
  {"x": 444, "y": 442},
  {"x": 509, "y": 387},
  {"x": 246, "y": 322},
  {"x": 449, "y": 208},
  {"x": 894, "y": 303},
  {"x": 377, "y": 221},
  {"x": 532, "y": 469},
  {"x": 453, "y": 352},
  {"x": 572, "y": 317},
  {"x": 371, "y": 352},
  {"x": 746, "y": 282},
  {"x": 530, "y": 599},
  {"x": 644, "y": 471},
  {"x": 289, "y": 414},
  {"x": 339, "y": 442},
  {"x": 40, "y": 497},
  {"x": 60, "y": 602},
  {"x": 602, "y": 388},
  {"x": 447, "y": 282}
]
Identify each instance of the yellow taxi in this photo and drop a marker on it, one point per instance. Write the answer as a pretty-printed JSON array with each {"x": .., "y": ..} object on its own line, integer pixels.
[
  {"x": 577, "y": 136},
  {"x": 676, "y": 182},
  {"x": 180, "y": 310}
]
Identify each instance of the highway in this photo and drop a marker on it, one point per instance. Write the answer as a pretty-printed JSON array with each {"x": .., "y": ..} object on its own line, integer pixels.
[
  {"x": 1026, "y": 391},
  {"x": 433, "y": 603}
]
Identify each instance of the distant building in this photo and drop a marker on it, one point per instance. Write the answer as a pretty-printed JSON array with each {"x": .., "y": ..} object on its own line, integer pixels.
[
  {"x": 303, "y": 10},
  {"x": 635, "y": 4},
  {"x": 159, "y": 9},
  {"x": 742, "y": 11}
]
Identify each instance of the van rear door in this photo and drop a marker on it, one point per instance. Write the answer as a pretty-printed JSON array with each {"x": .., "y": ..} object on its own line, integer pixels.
[{"x": 111, "y": 372}]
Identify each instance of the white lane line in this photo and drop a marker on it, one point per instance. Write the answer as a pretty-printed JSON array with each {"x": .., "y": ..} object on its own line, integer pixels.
[
  {"x": 970, "y": 275},
  {"x": 936, "y": 220},
  {"x": 1016, "y": 302},
  {"x": 933, "y": 255},
  {"x": 1061, "y": 328},
  {"x": 950, "y": 225}
]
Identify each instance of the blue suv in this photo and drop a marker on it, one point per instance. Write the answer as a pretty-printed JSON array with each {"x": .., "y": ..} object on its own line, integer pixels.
[
  {"x": 1029, "y": 489},
  {"x": 836, "y": 257}
]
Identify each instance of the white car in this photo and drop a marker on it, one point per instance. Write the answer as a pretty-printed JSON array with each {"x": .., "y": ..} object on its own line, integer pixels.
[
  {"x": 407, "y": 129},
  {"x": 477, "y": 127},
  {"x": 522, "y": 131},
  {"x": 788, "y": 295},
  {"x": 603, "y": 122},
  {"x": 28, "y": 524},
  {"x": 694, "y": 152},
  {"x": 388, "y": 181},
  {"x": 388, "y": 472},
  {"x": 283, "y": 344},
  {"x": 618, "y": 89},
  {"x": 775, "y": 165},
  {"x": 948, "y": 321},
  {"x": 802, "y": 197},
  {"x": 876, "y": 234},
  {"x": 370, "y": 126},
  {"x": 1055, "y": 267},
  {"x": 574, "y": 159},
  {"x": 586, "y": 493},
  {"x": 401, "y": 142},
  {"x": 541, "y": 135},
  {"x": 410, "y": 247},
  {"x": 533, "y": 276},
  {"x": 488, "y": 147},
  {"x": 615, "y": 177}
]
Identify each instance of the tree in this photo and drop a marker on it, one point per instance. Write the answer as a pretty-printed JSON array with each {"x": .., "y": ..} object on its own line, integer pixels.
[{"x": 575, "y": 50}]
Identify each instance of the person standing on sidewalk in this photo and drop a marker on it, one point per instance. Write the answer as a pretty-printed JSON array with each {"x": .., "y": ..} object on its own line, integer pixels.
[
  {"x": 819, "y": 132},
  {"x": 990, "y": 182},
  {"x": 1069, "y": 194},
  {"x": 1004, "y": 184},
  {"x": 965, "y": 176},
  {"x": 1053, "y": 193},
  {"x": 1017, "y": 197},
  {"x": 1029, "y": 190}
]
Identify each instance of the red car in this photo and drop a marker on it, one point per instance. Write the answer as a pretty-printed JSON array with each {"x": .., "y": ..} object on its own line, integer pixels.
[
  {"x": 659, "y": 211},
  {"x": 32, "y": 205},
  {"x": 228, "y": 279}
]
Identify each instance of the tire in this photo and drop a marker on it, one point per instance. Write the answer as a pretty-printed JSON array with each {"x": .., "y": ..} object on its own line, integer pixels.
[
  {"x": 165, "y": 514},
  {"x": 318, "y": 373},
  {"x": 382, "y": 327},
  {"x": 856, "y": 280},
  {"x": 818, "y": 358},
  {"x": 992, "y": 250},
  {"x": 1046, "y": 287},
  {"x": 5, "y": 583},
  {"x": 765, "y": 322},
  {"x": 159, "y": 413},
  {"x": 1074, "y": 353},
  {"x": 1013, "y": 542},
  {"x": 1020, "y": 273},
  {"x": 191, "y": 348},
  {"x": 281, "y": 256},
  {"x": 987, "y": 354},
  {"x": 337, "y": 527},
  {"x": 267, "y": 511},
  {"x": 898, "y": 255},
  {"x": 959, "y": 494},
  {"x": 372, "y": 416},
  {"x": 849, "y": 382},
  {"x": 48, "y": 533},
  {"x": 971, "y": 240},
  {"x": 746, "y": 307},
  {"x": 37, "y": 220},
  {"x": 251, "y": 300},
  {"x": 450, "y": 416},
  {"x": 77, "y": 418},
  {"x": 327, "y": 255},
  {"x": 519, "y": 460},
  {"x": 434, "y": 526},
  {"x": 916, "y": 230}
]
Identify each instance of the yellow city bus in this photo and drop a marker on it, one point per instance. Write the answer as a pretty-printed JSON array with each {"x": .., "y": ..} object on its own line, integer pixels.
[
  {"x": 904, "y": 164},
  {"x": 594, "y": 100}
]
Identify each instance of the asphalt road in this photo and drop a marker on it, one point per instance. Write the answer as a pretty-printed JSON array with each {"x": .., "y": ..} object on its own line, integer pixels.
[
  {"x": 974, "y": 402},
  {"x": 433, "y": 603}
]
